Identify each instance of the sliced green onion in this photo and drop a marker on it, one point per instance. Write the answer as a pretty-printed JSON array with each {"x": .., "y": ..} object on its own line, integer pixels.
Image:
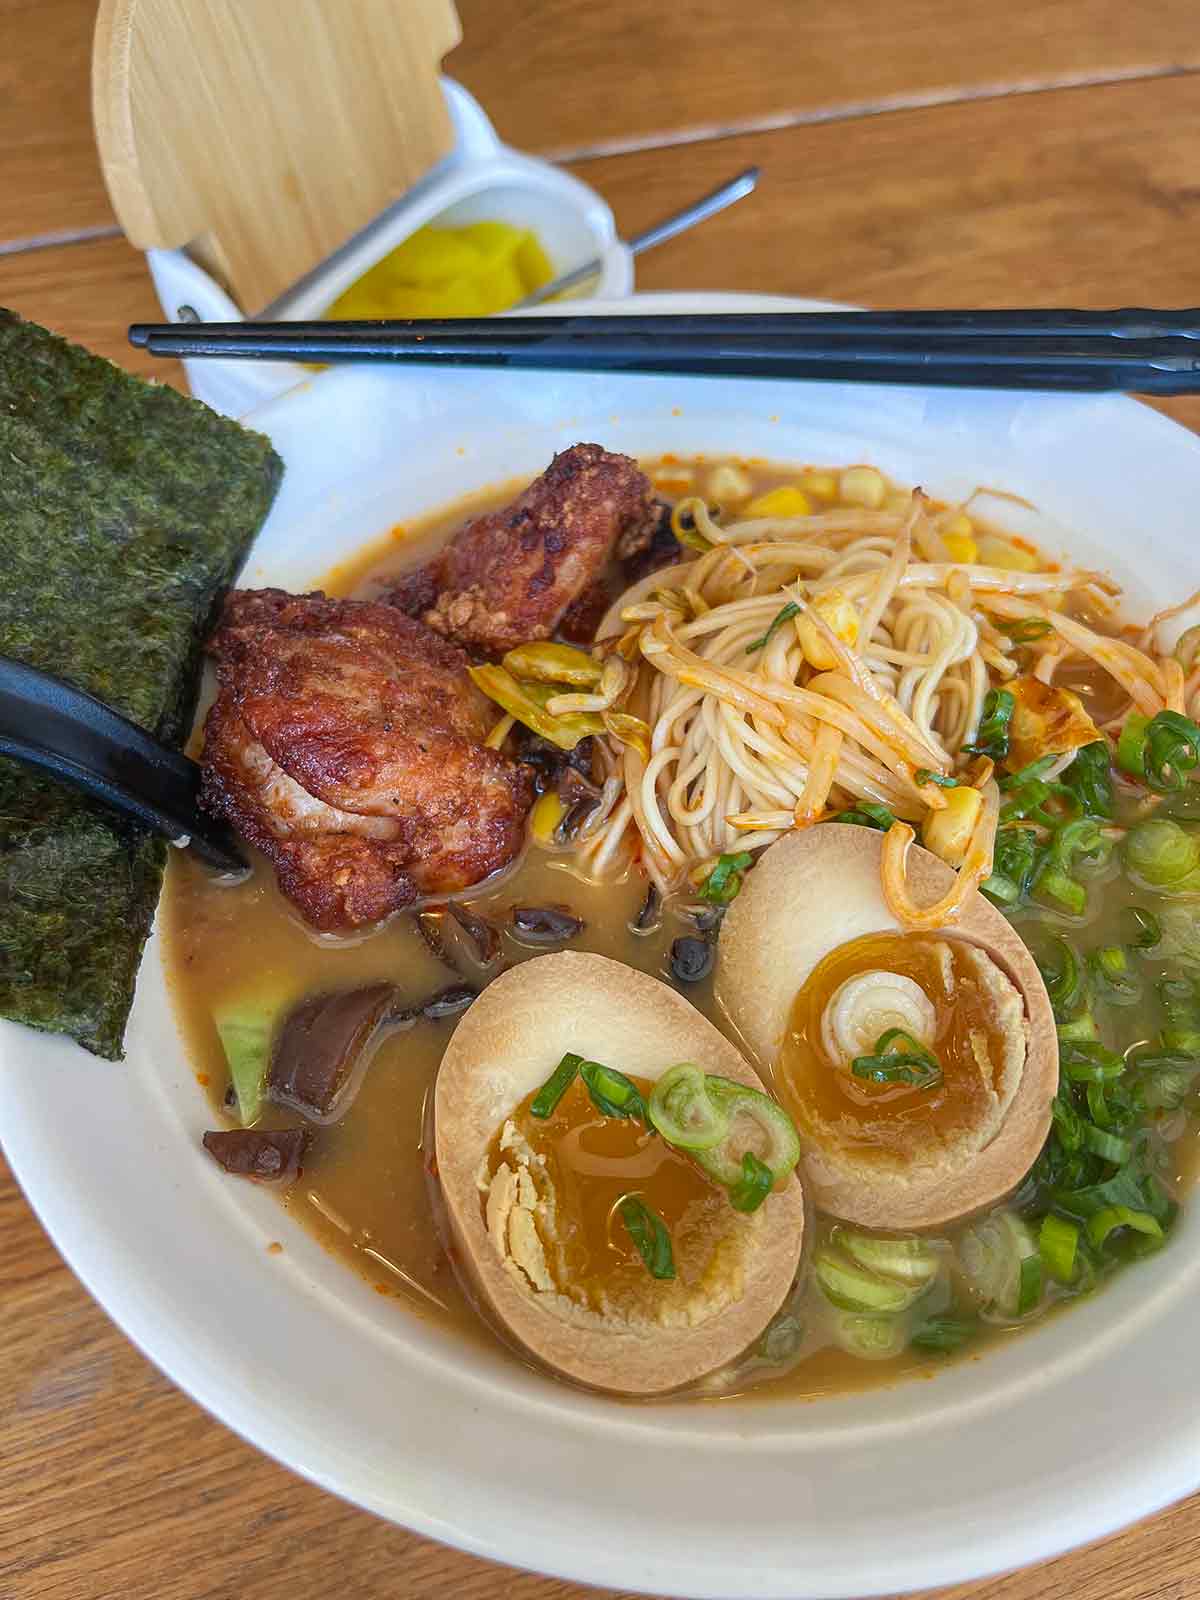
[
  {"x": 1013, "y": 860},
  {"x": 1108, "y": 1146},
  {"x": 1055, "y": 887},
  {"x": 1068, "y": 1124},
  {"x": 1172, "y": 751},
  {"x": 994, "y": 722},
  {"x": 1029, "y": 1290},
  {"x": 1131, "y": 746},
  {"x": 924, "y": 775},
  {"x": 649, "y": 1233},
  {"x": 1110, "y": 965},
  {"x": 613, "y": 1094},
  {"x": 1063, "y": 977},
  {"x": 1165, "y": 1079},
  {"x": 723, "y": 882},
  {"x": 1089, "y": 779},
  {"x": 1087, "y": 1061},
  {"x": 1026, "y": 630},
  {"x": 684, "y": 1112},
  {"x": 1160, "y": 852},
  {"x": 1098, "y": 1108},
  {"x": 1058, "y": 1243},
  {"x": 1146, "y": 930},
  {"x": 941, "y": 1335},
  {"x": 870, "y": 1338},
  {"x": 754, "y": 1185},
  {"x": 853, "y": 1288},
  {"x": 1112, "y": 1217},
  {"x": 993, "y": 1254},
  {"x": 867, "y": 814},
  {"x": 545, "y": 1101},
  {"x": 911, "y": 1063},
  {"x": 1083, "y": 1027},
  {"x": 777, "y": 621},
  {"x": 735, "y": 1101},
  {"x": 911, "y": 1260}
]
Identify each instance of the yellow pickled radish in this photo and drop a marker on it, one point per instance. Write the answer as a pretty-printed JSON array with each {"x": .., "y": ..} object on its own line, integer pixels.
[
  {"x": 546, "y": 817},
  {"x": 948, "y": 832},
  {"x": 449, "y": 272}
]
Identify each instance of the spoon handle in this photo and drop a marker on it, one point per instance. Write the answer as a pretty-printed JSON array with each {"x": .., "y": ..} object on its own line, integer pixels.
[{"x": 49, "y": 724}]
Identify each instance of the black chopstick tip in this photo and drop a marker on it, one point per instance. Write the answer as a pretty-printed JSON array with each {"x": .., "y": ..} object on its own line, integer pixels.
[{"x": 139, "y": 334}]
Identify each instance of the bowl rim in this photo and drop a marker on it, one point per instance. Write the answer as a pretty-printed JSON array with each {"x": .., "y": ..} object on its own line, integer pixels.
[{"x": 450, "y": 1501}]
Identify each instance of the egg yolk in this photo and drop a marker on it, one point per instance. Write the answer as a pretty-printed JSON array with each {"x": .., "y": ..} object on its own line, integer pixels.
[
  {"x": 584, "y": 1164},
  {"x": 895, "y": 1123}
]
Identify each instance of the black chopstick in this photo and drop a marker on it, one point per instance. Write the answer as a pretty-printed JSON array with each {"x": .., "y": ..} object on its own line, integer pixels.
[
  {"x": 49, "y": 724},
  {"x": 1148, "y": 352}
]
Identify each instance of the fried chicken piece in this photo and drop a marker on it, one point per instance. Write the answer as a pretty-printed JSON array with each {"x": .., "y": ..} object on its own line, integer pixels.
[
  {"x": 509, "y": 576},
  {"x": 346, "y": 743}
]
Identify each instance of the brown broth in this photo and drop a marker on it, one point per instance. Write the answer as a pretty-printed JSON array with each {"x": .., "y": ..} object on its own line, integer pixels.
[{"x": 363, "y": 1192}]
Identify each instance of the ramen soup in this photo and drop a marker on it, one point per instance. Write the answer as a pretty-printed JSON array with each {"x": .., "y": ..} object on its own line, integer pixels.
[{"x": 897, "y": 804}]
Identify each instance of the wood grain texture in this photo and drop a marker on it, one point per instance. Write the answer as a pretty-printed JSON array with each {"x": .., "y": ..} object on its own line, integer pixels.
[
  {"x": 625, "y": 72},
  {"x": 112, "y": 1483},
  {"x": 561, "y": 75}
]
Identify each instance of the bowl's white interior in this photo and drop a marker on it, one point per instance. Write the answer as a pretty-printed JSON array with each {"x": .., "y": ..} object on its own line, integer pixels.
[{"x": 1070, "y": 1430}]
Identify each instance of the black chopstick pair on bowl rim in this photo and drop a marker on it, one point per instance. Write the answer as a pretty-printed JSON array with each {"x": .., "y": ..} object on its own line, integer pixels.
[{"x": 1134, "y": 351}]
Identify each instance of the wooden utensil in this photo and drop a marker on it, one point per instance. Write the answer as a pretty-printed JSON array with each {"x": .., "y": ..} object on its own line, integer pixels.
[{"x": 264, "y": 133}]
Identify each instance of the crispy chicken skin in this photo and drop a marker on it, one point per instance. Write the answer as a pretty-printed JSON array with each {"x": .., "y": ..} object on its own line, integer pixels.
[
  {"x": 346, "y": 743},
  {"x": 509, "y": 576}
]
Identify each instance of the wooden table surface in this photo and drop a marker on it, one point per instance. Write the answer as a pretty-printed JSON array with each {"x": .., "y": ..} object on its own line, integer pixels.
[{"x": 933, "y": 153}]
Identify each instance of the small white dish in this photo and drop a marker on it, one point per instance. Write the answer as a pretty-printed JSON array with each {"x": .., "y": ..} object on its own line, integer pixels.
[
  {"x": 481, "y": 180},
  {"x": 1077, "y": 1427}
]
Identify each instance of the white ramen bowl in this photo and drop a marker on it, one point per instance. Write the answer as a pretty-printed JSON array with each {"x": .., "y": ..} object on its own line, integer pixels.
[{"x": 1080, "y": 1425}]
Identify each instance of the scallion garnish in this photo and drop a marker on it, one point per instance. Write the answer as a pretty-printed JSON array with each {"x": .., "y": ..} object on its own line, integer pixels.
[
  {"x": 1058, "y": 1242},
  {"x": 1108, "y": 1146},
  {"x": 1161, "y": 750},
  {"x": 1104, "y": 1222},
  {"x": 725, "y": 880},
  {"x": 1089, "y": 779},
  {"x": 754, "y": 1186},
  {"x": 994, "y": 722},
  {"x": 1063, "y": 976},
  {"x": 649, "y": 1233},
  {"x": 777, "y": 621},
  {"x": 545, "y": 1101},
  {"x": 1085, "y": 1061},
  {"x": 613, "y": 1094},
  {"x": 867, "y": 814},
  {"x": 941, "y": 1335},
  {"x": 1014, "y": 859},
  {"x": 924, "y": 775},
  {"x": 1029, "y": 1287},
  {"x": 898, "y": 1058},
  {"x": 1026, "y": 630},
  {"x": 1119, "y": 985}
]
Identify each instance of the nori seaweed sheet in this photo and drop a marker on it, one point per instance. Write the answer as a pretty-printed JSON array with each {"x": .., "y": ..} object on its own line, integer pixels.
[{"x": 126, "y": 508}]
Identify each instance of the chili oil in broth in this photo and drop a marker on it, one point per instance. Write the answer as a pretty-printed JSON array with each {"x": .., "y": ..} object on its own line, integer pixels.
[{"x": 363, "y": 1192}]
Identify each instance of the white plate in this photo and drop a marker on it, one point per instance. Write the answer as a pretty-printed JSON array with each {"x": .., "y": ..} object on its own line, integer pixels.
[{"x": 1062, "y": 1435}]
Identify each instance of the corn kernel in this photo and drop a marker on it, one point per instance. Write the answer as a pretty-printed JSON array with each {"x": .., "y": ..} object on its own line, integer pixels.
[
  {"x": 818, "y": 485},
  {"x": 994, "y": 552},
  {"x": 959, "y": 524},
  {"x": 960, "y": 547},
  {"x": 863, "y": 486},
  {"x": 948, "y": 832},
  {"x": 728, "y": 485},
  {"x": 786, "y": 502},
  {"x": 546, "y": 817},
  {"x": 841, "y": 615}
]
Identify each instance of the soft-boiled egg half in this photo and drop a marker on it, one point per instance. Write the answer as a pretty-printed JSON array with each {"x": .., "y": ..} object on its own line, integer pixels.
[
  {"x": 618, "y": 1190},
  {"x": 919, "y": 1068}
]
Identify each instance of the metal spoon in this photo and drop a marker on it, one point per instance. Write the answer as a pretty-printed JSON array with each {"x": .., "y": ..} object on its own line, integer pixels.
[{"x": 679, "y": 222}]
